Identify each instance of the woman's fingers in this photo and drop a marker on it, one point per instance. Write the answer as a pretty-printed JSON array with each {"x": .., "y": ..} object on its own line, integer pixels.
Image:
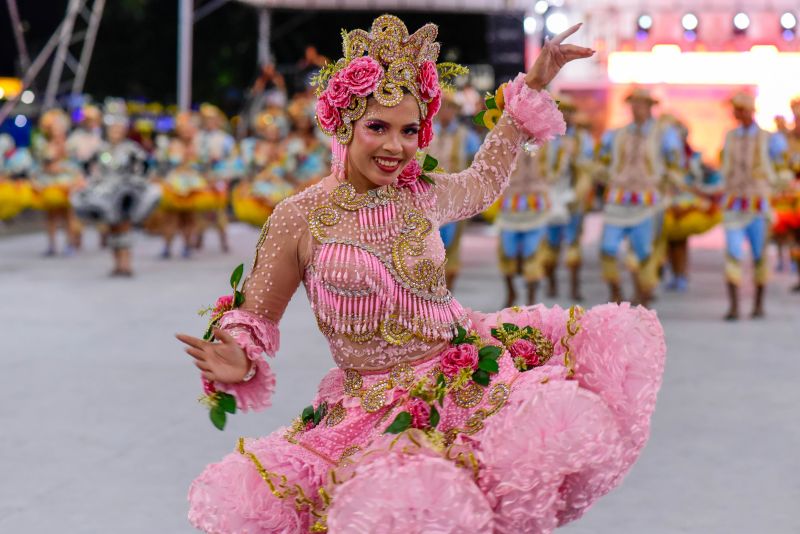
[
  {"x": 575, "y": 52},
  {"x": 558, "y": 39},
  {"x": 223, "y": 336},
  {"x": 208, "y": 376},
  {"x": 192, "y": 341},
  {"x": 203, "y": 366},
  {"x": 197, "y": 354}
]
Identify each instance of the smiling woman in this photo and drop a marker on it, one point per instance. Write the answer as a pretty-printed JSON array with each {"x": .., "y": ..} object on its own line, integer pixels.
[{"x": 428, "y": 421}]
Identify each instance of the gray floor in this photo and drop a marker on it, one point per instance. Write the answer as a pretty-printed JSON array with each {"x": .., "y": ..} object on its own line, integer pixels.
[{"x": 101, "y": 432}]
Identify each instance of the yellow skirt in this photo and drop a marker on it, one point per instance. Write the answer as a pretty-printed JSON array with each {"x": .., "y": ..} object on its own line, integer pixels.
[{"x": 15, "y": 196}]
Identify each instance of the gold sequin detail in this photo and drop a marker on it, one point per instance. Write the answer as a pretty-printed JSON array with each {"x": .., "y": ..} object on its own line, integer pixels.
[
  {"x": 375, "y": 397},
  {"x": 336, "y": 415},
  {"x": 320, "y": 218},
  {"x": 402, "y": 375},
  {"x": 346, "y": 197},
  {"x": 349, "y": 451},
  {"x": 468, "y": 396},
  {"x": 498, "y": 396},
  {"x": 364, "y": 337},
  {"x": 425, "y": 274},
  {"x": 573, "y": 326},
  {"x": 395, "y": 333},
  {"x": 353, "y": 383}
]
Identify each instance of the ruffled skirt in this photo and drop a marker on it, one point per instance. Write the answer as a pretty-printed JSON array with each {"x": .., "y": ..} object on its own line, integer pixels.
[{"x": 527, "y": 452}]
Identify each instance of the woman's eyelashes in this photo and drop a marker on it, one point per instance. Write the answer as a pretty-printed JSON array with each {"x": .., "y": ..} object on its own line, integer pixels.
[{"x": 379, "y": 127}]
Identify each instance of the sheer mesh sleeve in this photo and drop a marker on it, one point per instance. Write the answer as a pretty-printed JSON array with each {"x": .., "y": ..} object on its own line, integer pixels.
[
  {"x": 282, "y": 253},
  {"x": 528, "y": 115}
]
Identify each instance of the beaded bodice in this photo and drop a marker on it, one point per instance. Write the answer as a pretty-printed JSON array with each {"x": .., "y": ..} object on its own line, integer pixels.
[{"x": 373, "y": 264}]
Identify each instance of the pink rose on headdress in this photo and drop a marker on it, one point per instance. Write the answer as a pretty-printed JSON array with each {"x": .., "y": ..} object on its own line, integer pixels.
[
  {"x": 434, "y": 105},
  {"x": 420, "y": 413},
  {"x": 338, "y": 92},
  {"x": 455, "y": 358},
  {"x": 428, "y": 79},
  {"x": 362, "y": 75},
  {"x": 327, "y": 114},
  {"x": 410, "y": 174},
  {"x": 425, "y": 135},
  {"x": 527, "y": 350}
]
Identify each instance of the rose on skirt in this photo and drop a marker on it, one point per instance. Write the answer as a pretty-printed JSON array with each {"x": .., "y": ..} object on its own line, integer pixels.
[
  {"x": 457, "y": 357},
  {"x": 525, "y": 349},
  {"x": 420, "y": 413}
]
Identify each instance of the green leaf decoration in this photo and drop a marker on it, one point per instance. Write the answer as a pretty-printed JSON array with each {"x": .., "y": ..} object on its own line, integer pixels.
[
  {"x": 208, "y": 333},
  {"x": 236, "y": 275},
  {"x": 495, "y": 332},
  {"x": 489, "y": 365},
  {"x": 308, "y": 414},
  {"x": 434, "y": 420},
  {"x": 490, "y": 103},
  {"x": 510, "y": 327},
  {"x": 226, "y": 402},
  {"x": 320, "y": 413},
  {"x": 447, "y": 71},
  {"x": 478, "y": 119},
  {"x": 430, "y": 163},
  {"x": 427, "y": 179},
  {"x": 401, "y": 422},
  {"x": 481, "y": 377},
  {"x": 528, "y": 330},
  {"x": 218, "y": 417},
  {"x": 490, "y": 352},
  {"x": 238, "y": 298}
]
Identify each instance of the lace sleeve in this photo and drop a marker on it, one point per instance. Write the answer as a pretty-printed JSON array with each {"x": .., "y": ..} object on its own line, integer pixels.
[
  {"x": 528, "y": 116},
  {"x": 282, "y": 253}
]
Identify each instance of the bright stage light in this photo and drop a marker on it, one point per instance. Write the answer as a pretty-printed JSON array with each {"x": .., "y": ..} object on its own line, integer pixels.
[
  {"x": 645, "y": 22},
  {"x": 741, "y": 21},
  {"x": 690, "y": 22},
  {"x": 20, "y": 121},
  {"x": 788, "y": 21},
  {"x": 530, "y": 25},
  {"x": 27, "y": 97},
  {"x": 541, "y": 7},
  {"x": 556, "y": 23}
]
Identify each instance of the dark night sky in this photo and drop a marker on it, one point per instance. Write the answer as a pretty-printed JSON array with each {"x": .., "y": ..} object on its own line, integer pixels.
[{"x": 136, "y": 52}]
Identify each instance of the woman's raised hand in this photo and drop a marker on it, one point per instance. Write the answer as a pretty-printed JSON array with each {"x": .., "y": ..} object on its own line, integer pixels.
[
  {"x": 220, "y": 361},
  {"x": 553, "y": 56}
]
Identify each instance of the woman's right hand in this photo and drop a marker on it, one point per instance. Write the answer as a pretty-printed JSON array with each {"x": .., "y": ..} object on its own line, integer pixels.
[{"x": 220, "y": 361}]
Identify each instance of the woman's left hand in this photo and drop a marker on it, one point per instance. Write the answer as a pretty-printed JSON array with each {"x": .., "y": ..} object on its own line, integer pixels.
[{"x": 553, "y": 56}]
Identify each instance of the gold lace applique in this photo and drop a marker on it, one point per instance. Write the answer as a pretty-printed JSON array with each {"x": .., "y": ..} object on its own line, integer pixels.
[
  {"x": 394, "y": 333},
  {"x": 374, "y": 398},
  {"x": 336, "y": 415},
  {"x": 498, "y": 396},
  {"x": 468, "y": 396},
  {"x": 425, "y": 274},
  {"x": 320, "y": 218},
  {"x": 346, "y": 197}
]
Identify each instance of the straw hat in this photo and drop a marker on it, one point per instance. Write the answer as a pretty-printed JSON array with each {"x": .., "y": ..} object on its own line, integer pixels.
[
  {"x": 641, "y": 94},
  {"x": 743, "y": 100}
]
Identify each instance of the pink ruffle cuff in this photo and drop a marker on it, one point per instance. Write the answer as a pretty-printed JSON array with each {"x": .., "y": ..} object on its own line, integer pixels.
[
  {"x": 533, "y": 112},
  {"x": 258, "y": 337}
]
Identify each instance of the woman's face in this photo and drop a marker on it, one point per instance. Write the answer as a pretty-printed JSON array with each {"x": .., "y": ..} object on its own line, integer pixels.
[{"x": 384, "y": 140}]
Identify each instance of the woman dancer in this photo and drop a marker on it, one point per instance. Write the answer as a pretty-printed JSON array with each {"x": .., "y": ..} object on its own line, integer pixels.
[{"x": 438, "y": 419}]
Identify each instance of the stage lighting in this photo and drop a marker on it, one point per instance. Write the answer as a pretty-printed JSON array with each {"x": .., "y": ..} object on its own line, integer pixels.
[
  {"x": 690, "y": 22},
  {"x": 20, "y": 121},
  {"x": 645, "y": 22},
  {"x": 541, "y": 7},
  {"x": 556, "y": 23},
  {"x": 529, "y": 25},
  {"x": 788, "y": 21},
  {"x": 28, "y": 97},
  {"x": 741, "y": 22}
]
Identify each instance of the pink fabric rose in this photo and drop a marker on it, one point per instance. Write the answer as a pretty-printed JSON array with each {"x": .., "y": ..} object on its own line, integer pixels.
[
  {"x": 527, "y": 350},
  {"x": 410, "y": 174},
  {"x": 434, "y": 105},
  {"x": 453, "y": 359},
  {"x": 420, "y": 413},
  {"x": 327, "y": 114},
  {"x": 428, "y": 79},
  {"x": 338, "y": 91},
  {"x": 425, "y": 135},
  {"x": 362, "y": 75},
  {"x": 223, "y": 303}
]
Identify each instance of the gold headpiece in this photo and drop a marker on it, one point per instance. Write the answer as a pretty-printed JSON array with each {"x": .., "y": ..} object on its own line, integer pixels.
[{"x": 398, "y": 63}]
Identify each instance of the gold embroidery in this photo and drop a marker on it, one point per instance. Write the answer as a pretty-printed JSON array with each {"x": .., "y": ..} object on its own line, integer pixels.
[
  {"x": 395, "y": 333},
  {"x": 348, "y": 452},
  {"x": 402, "y": 375},
  {"x": 544, "y": 347},
  {"x": 375, "y": 397},
  {"x": 497, "y": 399},
  {"x": 425, "y": 274},
  {"x": 364, "y": 337},
  {"x": 353, "y": 383},
  {"x": 336, "y": 415},
  {"x": 573, "y": 326},
  {"x": 321, "y": 217},
  {"x": 468, "y": 396},
  {"x": 346, "y": 197}
]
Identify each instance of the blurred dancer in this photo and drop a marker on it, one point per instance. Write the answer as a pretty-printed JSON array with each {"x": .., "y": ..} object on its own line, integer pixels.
[
  {"x": 570, "y": 158},
  {"x": 749, "y": 163},
  {"x": 523, "y": 222},
  {"x": 54, "y": 179},
  {"x": 16, "y": 193},
  {"x": 638, "y": 156},
  {"x": 308, "y": 158},
  {"x": 454, "y": 145},
  {"x": 86, "y": 141},
  {"x": 118, "y": 193},
  {"x": 793, "y": 155},
  {"x": 215, "y": 150}
]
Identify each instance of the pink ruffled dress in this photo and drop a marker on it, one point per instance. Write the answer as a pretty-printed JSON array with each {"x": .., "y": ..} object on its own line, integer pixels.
[{"x": 525, "y": 445}]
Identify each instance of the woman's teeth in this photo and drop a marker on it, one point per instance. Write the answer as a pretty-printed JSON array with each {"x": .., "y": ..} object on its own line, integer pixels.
[{"x": 387, "y": 162}]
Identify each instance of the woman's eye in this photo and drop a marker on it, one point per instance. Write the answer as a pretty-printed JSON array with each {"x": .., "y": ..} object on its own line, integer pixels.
[
  {"x": 375, "y": 127},
  {"x": 411, "y": 131}
]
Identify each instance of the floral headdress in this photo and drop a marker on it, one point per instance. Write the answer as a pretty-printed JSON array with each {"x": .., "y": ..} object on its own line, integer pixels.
[{"x": 384, "y": 62}]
